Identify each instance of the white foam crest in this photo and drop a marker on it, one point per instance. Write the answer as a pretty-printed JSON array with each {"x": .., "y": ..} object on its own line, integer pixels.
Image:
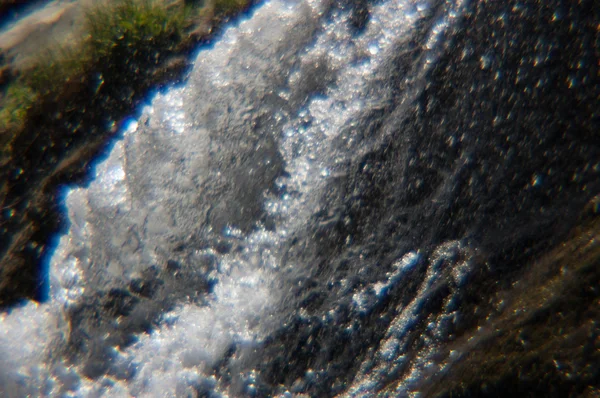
[
  {"x": 25, "y": 334},
  {"x": 356, "y": 59},
  {"x": 141, "y": 200},
  {"x": 146, "y": 196}
]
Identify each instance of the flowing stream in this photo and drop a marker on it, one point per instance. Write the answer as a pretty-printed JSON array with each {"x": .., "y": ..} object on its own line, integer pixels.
[{"x": 303, "y": 215}]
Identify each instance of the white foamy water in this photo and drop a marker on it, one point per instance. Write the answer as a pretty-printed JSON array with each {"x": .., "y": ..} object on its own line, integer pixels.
[{"x": 292, "y": 74}]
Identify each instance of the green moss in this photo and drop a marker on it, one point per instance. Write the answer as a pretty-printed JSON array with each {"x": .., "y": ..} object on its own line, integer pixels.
[
  {"x": 17, "y": 101},
  {"x": 122, "y": 39},
  {"x": 131, "y": 22},
  {"x": 229, "y": 7},
  {"x": 55, "y": 67},
  {"x": 115, "y": 34}
]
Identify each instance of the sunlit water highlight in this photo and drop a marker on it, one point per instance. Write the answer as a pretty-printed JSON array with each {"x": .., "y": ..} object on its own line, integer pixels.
[{"x": 293, "y": 72}]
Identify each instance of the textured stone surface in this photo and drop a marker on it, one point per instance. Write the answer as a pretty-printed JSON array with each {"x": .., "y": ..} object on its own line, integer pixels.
[{"x": 447, "y": 244}]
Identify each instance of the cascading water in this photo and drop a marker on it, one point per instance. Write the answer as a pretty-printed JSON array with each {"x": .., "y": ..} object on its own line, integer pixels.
[{"x": 279, "y": 224}]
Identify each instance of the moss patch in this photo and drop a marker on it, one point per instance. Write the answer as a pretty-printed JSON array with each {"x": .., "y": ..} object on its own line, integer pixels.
[
  {"x": 229, "y": 7},
  {"x": 123, "y": 28},
  {"x": 138, "y": 29},
  {"x": 19, "y": 99}
]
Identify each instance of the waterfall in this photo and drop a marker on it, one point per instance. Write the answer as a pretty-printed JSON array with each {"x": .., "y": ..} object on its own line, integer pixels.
[{"x": 297, "y": 217}]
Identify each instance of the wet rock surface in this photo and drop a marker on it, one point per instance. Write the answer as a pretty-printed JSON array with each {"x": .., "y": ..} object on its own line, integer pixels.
[
  {"x": 447, "y": 247},
  {"x": 499, "y": 153}
]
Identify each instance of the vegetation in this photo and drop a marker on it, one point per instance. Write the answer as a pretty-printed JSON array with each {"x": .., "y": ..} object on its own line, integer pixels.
[
  {"x": 125, "y": 23},
  {"x": 135, "y": 29},
  {"x": 229, "y": 7},
  {"x": 19, "y": 98}
]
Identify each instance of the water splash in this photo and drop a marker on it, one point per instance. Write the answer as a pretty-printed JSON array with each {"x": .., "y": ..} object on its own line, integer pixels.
[{"x": 175, "y": 251}]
